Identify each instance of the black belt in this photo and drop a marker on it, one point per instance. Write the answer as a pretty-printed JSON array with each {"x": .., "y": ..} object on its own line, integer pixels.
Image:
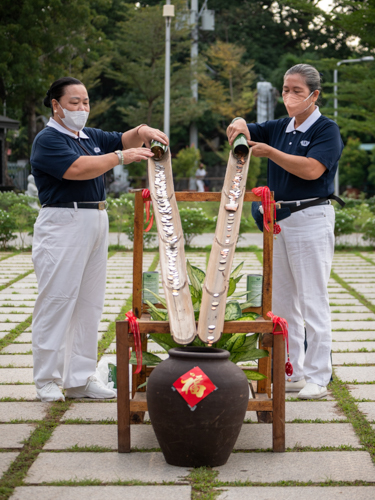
[
  {"x": 100, "y": 205},
  {"x": 296, "y": 206}
]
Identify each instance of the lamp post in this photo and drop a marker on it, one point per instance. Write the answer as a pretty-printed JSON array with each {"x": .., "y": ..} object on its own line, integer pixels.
[
  {"x": 335, "y": 80},
  {"x": 168, "y": 13}
]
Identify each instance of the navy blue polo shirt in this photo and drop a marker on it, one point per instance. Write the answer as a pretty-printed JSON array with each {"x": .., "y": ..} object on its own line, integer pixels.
[
  {"x": 53, "y": 152},
  {"x": 321, "y": 141}
]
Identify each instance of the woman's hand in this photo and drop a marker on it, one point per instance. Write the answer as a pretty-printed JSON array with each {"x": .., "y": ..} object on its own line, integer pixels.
[
  {"x": 236, "y": 128},
  {"x": 136, "y": 154},
  {"x": 148, "y": 134},
  {"x": 260, "y": 149}
]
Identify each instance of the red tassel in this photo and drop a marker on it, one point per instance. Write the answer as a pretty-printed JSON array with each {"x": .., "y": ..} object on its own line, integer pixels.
[
  {"x": 134, "y": 328},
  {"x": 265, "y": 195},
  {"x": 147, "y": 201},
  {"x": 284, "y": 331}
]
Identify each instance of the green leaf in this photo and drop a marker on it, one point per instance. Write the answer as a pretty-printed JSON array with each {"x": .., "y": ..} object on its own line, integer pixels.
[
  {"x": 250, "y": 342},
  {"x": 193, "y": 279},
  {"x": 142, "y": 385},
  {"x": 232, "y": 311},
  {"x": 157, "y": 314},
  {"x": 254, "y": 375},
  {"x": 165, "y": 340},
  {"x": 249, "y": 316},
  {"x": 237, "y": 270},
  {"x": 199, "y": 274},
  {"x": 235, "y": 342},
  {"x": 148, "y": 359},
  {"x": 237, "y": 295},
  {"x": 223, "y": 340},
  {"x": 248, "y": 355},
  {"x": 160, "y": 299},
  {"x": 231, "y": 287}
]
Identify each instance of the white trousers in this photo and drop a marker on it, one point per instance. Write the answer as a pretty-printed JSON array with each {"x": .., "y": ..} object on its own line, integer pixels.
[
  {"x": 303, "y": 254},
  {"x": 70, "y": 260},
  {"x": 200, "y": 185}
]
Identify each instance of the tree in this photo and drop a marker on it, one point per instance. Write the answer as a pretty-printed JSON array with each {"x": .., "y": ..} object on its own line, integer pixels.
[{"x": 353, "y": 164}]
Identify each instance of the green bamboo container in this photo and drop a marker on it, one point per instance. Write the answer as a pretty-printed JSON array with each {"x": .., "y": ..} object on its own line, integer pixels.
[
  {"x": 112, "y": 374},
  {"x": 150, "y": 280},
  {"x": 240, "y": 146},
  {"x": 255, "y": 288},
  {"x": 158, "y": 148}
]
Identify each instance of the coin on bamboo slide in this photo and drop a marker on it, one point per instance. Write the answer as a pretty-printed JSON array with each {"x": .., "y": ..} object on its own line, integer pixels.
[
  {"x": 210, "y": 337},
  {"x": 216, "y": 294},
  {"x": 215, "y": 303},
  {"x": 227, "y": 241},
  {"x": 221, "y": 269},
  {"x": 211, "y": 327}
]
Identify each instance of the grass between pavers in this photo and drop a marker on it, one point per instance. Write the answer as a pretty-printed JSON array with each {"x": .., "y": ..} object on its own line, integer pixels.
[
  {"x": 353, "y": 292},
  {"x": 348, "y": 405},
  {"x": 17, "y": 471},
  {"x": 367, "y": 259},
  {"x": 19, "y": 277},
  {"x": 16, "y": 332},
  {"x": 12, "y": 254}
]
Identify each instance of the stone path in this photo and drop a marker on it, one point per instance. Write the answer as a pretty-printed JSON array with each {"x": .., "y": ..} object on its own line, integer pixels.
[{"x": 75, "y": 444}]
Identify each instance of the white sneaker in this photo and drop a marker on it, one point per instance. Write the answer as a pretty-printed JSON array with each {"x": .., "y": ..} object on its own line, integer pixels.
[
  {"x": 50, "y": 392},
  {"x": 295, "y": 386},
  {"x": 94, "y": 389},
  {"x": 312, "y": 391}
]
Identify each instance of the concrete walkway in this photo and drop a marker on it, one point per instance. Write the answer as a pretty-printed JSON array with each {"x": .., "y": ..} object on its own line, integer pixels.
[{"x": 74, "y": 446}]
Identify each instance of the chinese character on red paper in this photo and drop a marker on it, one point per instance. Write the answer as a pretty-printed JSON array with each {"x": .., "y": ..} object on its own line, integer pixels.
[{"x": 194, "y": 386}]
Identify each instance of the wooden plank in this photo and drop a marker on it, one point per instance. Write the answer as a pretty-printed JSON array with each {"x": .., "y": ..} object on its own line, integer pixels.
[
  {"x": 123, "y": 405},
  {"x": 257, "y": 405},
  {"x": 194, "y": 196},
  {"x": 216, "y": 283},
  {"x": 278, "y": 425},
  {"x": 267, "y": 340},
  {"x": 138, "y": 253},
  {"x": 139, "y": 402},
  {"x": 173, "y": 267},
  {"x": 259, "y": 325},
  {"x": 264, "y": 367}
]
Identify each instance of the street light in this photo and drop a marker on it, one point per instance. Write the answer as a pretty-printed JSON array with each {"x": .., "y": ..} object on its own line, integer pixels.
[
  {"x": 168, "y": 13},
  {"x": 335, "y": 79}
]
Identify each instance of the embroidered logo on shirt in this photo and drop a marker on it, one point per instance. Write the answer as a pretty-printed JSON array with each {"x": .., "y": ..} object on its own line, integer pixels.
[
  {"x": 97, "y": 150},
  {"x": 305, "y": 143}
]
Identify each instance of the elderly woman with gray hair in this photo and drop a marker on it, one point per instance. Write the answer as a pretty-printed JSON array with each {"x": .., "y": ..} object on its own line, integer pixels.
[{"x": 303, "y": 153}]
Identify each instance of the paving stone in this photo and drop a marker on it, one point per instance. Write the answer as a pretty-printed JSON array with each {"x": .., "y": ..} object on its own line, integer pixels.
[
  {"x": 352, "y": 316},
  {"x": 356, "y": 373},
  {"x": 362, "y": 391},
  {"x": 349, "y": 309},
  {"x": 6, "y": 459},
  {"x": 354, "y": 335},
  {"x": 312, "y": 410},
  {"x": 22, "y": 411},
  {"x": 359, "y": 358},
  {"x": 25, "y": 337},
  {"x": 92, "y": 412},
  {"x": 296, "y": 493},
  {"x": 19, "y": 349},
  {"x": 368, "y": 409},
  {"x": 259, "y": 436},
  {"x": 338, "y": 302},
  {"x": 318, "y": 466},
  {"x": 66, "y": 436},
  {"x": 18, "y": 361},
  {"x": 7, "y": 327},
  {"x": 157, "y": 492},
  {"x": 350, "y": 346},
  {"x": 12, "y": 375},
  {"x": 12, "y": 435},
  {"x": 353, "y": 325},
  {"x": 9, "y": 311},
  {"x": 14, "y": 318},
  {"x": 108, "y": 466},
  {"x": 27, "y": 392}
]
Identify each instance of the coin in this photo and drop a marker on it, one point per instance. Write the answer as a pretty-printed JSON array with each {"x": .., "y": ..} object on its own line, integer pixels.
[
  {"x": 221, "y": 268},
  {"x": 175, "y": 293},
  {"x": 211, "y": 327},
  {"x": 227, "y": 241},
  {"x": 216, "y": 294},
  {"x": 215, "y": 304},
  {"x": 213, "y": 308},
  {"x": 210, "y": 337}
]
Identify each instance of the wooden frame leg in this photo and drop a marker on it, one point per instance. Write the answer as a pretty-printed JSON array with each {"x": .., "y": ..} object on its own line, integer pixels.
[
  {"x": 123, "y": 399},
  {"x": 278, "y": 424}
]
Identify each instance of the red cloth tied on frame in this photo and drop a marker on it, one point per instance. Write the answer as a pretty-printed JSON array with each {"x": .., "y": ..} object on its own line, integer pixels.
[
  {"x": 284, "y": 331},
  {"x": 134, "y": 328},
  {"x": 147, "y": 201},
  {"x": 265, "y": 196}
]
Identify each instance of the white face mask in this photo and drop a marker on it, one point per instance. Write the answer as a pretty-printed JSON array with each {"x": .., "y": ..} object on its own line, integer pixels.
[{"x": 75, "y": 120}]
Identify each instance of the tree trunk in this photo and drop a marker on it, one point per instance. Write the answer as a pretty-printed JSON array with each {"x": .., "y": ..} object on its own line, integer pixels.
[{"x": 31, "y": 122}]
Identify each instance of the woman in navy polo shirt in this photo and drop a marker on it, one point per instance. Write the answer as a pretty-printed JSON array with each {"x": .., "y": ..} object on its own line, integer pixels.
[
  {"x": 70, "y": 240},
  {"x": 303, "y": 153}
]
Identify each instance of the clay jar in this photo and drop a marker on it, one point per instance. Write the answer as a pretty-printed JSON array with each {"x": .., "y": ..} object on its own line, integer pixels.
[{"x": 205, "y": 435}]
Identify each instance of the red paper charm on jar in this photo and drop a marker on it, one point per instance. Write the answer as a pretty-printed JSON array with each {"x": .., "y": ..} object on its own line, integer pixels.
[{"x": 194, "y": 386}]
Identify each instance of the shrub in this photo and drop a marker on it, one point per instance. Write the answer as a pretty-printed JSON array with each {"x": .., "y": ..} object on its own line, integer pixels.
[
  {"x": 368, "y": 229},
  {"x": 194, "y": 221},
  {"x": 24, "y": 217},
  {"x": 344, "y": 223},
  {"x": 186, "y": 162},
  {"x": 7, "y": 228}
]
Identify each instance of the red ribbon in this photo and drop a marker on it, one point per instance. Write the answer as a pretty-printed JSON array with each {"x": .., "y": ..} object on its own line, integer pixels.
[
  {"x": 284, "y": 331},
  {"x": 265, "y": 195},
  {"x": 134, "y": 328},
  {"x": 147, "y": 201}
]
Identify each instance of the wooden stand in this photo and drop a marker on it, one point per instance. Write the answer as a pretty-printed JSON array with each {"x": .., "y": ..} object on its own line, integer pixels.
[{"x": 268, "y": 409}]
